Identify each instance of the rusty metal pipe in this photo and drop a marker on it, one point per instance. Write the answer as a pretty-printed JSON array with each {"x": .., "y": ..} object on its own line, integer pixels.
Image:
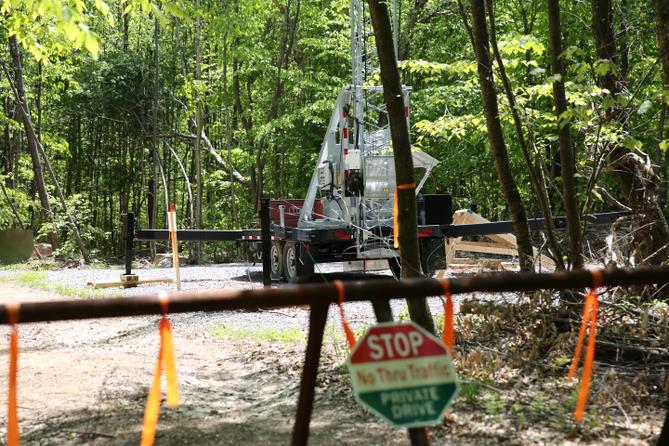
[{"x": 221, "y": 300}]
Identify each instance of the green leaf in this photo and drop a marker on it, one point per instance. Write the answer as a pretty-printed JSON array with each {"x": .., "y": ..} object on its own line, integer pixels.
[
  {"x": 632, "y": 143},
  {"x": 664, "y": 145},
  {"x": 623, "y": 99},
  {"x": 102, "y": 6},
  {"x": 608, "y": 102},
  {"x": 603, "y": 67},
  {"x": 174, "y": 9},
  {"x": 565, "y": 118}
]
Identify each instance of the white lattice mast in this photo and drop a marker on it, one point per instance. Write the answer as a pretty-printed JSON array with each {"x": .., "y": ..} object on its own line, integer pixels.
[
  {"x": 360, "y": 30},
  {"x": 364, "y": 61}
]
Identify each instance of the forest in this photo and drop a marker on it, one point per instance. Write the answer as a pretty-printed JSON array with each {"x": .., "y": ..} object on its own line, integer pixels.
[
  {"x": 545, "y": 120},
  {"x": 129, "y": 105}
]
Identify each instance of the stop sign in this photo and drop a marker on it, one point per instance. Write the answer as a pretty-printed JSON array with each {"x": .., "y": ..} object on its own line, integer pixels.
[{"x": 403, "y": 374}]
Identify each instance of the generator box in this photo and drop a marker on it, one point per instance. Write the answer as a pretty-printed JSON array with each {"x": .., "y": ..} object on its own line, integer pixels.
[
  {"x": 434, "y": 209},
  {"x": 352, "y": 159}
]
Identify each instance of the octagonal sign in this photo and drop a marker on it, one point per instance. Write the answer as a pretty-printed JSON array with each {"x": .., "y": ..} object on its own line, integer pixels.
[{"x": 403, "y": 374}]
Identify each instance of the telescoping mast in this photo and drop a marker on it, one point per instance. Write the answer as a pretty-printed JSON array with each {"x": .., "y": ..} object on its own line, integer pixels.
[{"x": 347, "y": 213}]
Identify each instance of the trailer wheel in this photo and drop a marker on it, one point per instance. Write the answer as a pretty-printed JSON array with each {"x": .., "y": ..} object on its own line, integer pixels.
[
  {"x": 276, "y": 260},
  {"x": 297, "y": 268}
]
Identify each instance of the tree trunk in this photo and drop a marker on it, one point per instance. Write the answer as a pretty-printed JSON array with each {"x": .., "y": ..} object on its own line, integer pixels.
[
  {"x": 153, "y": 181},
  {"x": 124, "y": 21},
  {"x": 33, "y": 142},
  {"x": 285, "y": 49},
  {"x": 637, "y": 180},
  {"x": 414, "y": 14},
  {"x": 229, "y": 139},
  {"x": 198, "y": 132},
  {"x": 564, "y": 137},
  {"x": 536, "y": 175},
  {"x": 9, "y": 148},
  {"x": 496, "y": 137},
  {"x": 32, "y": 136},
  {"x": 399, "y": 130},
  {"x": 662, "y": 27}
]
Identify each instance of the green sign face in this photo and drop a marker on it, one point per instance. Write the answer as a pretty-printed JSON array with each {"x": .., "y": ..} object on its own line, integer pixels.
[{"x": 403, "y": 374}]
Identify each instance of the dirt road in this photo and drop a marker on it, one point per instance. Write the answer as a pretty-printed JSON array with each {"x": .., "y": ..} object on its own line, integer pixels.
[{"x": 85, "y": 382}]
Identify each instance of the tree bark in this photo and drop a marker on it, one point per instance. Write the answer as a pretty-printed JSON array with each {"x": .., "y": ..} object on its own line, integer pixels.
[
  {"x": 31, "y": 136},
  {"x": 198, "y": 132},
  {"x": 152, "y": 202},
  {"x": 8, "y": 158},
  {"x": 662, "y": 28},
  {"x": 414, "y": 14},
  {"x": 637, "y": 180},
  {"x": 567, "y": 165},
  {"x": 285, "y": 49},
  {"x": 399, "y": 130},
  {"x": 496, "y": 137}
]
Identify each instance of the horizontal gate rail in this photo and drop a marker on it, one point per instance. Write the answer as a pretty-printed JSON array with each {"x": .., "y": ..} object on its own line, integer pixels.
[
  {"x": 205, "y": 235},
  {"x": 506, "y": 226},
  {"x": 219, "y": 300},
  {"x": 319, "y": 297}
]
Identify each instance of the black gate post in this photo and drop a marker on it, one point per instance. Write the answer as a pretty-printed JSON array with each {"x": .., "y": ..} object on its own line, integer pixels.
[
  {"x": 318, "y": 316},
  {"x": 129, "y": 236},
  {"x": 266, "y": 236}
]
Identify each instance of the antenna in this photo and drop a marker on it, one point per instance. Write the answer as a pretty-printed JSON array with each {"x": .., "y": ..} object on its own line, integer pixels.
[{"x": 368, "y": 103}]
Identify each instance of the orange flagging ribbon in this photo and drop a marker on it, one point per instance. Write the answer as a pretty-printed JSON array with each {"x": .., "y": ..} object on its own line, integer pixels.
[
  {"x": 447, "y": 334},
  {"x": 590, "y": 307},
  {"x": 12, "y": 416},
  {"x": 396, "y": 213},
  {"x": 166, "y": 361},
  {"x": 341, "y": 295}
]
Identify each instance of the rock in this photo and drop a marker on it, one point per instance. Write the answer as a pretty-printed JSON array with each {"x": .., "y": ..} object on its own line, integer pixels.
[
  {"x": 165, "y": 260},
  {"x": 42, "y": 251}
]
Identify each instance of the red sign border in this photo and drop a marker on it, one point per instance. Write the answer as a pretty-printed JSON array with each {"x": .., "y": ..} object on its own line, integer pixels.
[{"x": 448, "y": 404}]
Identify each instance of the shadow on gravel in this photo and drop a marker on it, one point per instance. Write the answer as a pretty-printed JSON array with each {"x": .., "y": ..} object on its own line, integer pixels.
[
  {"x": 194, "y": 426},
  {"x": 256, "y": 277}
]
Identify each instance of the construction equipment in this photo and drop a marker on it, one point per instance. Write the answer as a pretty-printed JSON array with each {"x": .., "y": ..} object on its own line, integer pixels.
[{"x": 347, "y": 214}]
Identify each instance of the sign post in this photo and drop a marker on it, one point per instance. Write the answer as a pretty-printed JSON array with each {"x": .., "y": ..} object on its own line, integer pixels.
[{"x": 403, "y": 374}]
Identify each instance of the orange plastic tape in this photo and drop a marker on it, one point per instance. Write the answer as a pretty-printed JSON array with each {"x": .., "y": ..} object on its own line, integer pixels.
[
  {"x": 590, "y": 308},
  {"x": 587, "y": 366},
  {"x": 587, "y": 308},
  {"x": 448, "y": 333},
  {"x": 166, "y": 360},
  {"x": 341, "y": 295},
  {"x": 152, "y": 410},
  {"x": 396, "y": 212},
  {"x": 12, "y": 413},
  {"x": 167, "y": 353}
]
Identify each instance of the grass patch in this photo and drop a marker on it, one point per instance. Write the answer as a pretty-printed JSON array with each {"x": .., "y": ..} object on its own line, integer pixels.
[
  {"x": 30, "y": 279},
  {"x": 285, "y": 335},
  {"x": 39, "y": 280}
]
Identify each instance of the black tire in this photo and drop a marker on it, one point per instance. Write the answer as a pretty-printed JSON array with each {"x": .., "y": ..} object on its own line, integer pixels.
[
  {"x": 297, "y": 268},
  {"x": 276, "y": 260}
]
